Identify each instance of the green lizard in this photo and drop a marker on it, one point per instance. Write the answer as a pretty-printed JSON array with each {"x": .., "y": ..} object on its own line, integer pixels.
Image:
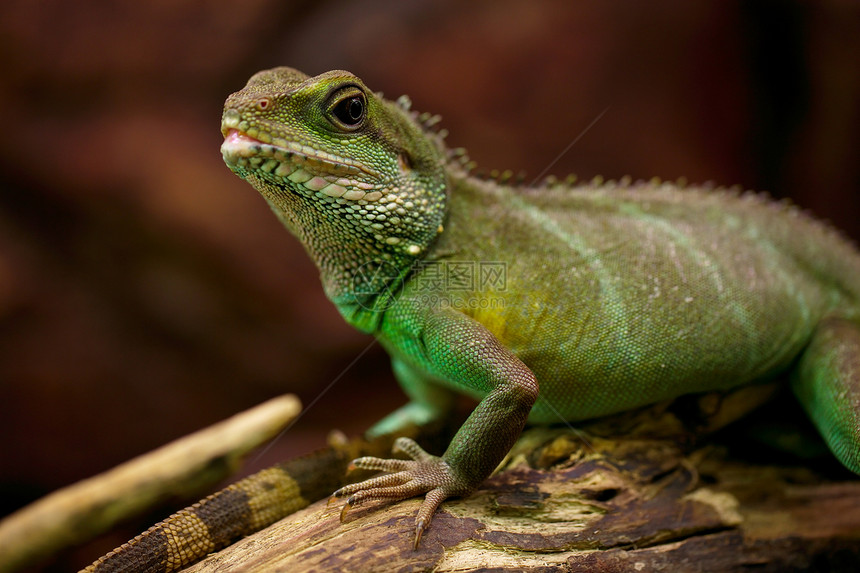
[{"x": 550, "y": 303}]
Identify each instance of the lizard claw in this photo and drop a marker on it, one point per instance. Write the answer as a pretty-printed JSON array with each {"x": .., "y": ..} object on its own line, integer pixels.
[
  {"x": 345, "y": 509},
  {"x": 420, "y": 526}
]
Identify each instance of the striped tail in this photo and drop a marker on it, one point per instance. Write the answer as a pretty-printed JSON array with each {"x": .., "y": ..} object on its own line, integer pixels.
[{"x": 224, "y": 517}]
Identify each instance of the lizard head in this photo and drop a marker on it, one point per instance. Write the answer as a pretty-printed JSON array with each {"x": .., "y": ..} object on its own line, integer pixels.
[{"x": 355, "y": 177}]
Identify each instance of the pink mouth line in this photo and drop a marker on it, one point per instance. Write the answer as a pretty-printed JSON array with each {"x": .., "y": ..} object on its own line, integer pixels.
[
  {"x": 235, "y": 136},
  {"x": 242, "y": 145}
]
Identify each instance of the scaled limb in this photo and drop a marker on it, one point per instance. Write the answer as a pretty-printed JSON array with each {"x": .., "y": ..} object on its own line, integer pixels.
[
  {"x": 462, "y": 351},
  {"x": 827, "y": 383}
]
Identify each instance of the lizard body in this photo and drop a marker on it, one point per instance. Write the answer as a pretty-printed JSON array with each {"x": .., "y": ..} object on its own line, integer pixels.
[{"x": 547, "y": 304}]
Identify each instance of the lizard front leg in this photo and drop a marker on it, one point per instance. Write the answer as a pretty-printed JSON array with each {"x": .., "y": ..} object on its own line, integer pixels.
[{"x": 461, "y": 350}]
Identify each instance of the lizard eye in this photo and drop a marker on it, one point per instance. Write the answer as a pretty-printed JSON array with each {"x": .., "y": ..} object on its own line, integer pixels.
[{"x": 350, "y": 111}]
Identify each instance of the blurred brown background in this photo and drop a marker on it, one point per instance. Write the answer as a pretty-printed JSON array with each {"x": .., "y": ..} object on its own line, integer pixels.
[{"x": 145, "y": 291}]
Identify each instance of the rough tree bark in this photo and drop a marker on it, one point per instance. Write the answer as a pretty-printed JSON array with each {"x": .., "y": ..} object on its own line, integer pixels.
[{"x": 568, "y": 501}]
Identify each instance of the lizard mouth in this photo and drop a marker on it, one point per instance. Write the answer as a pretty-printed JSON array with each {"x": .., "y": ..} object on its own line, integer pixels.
[
  {"x": 300, "y": 167},
  {"x": 287, "y": 159}
]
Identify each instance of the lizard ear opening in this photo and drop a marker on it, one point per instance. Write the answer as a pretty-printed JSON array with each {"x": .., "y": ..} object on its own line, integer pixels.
[{"x": 405, "y": 162}]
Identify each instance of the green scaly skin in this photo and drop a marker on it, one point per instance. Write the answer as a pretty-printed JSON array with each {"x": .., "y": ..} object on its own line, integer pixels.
[
  {"x": 548, "y": 304},
  {"x": 614, "y": 295}
]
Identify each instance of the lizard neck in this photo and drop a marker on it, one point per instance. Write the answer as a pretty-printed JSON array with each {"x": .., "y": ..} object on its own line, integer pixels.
[{"x": 361, "y": 273}]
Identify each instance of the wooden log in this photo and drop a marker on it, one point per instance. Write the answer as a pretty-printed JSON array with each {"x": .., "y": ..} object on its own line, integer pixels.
[{"x": 564, "y": 501}]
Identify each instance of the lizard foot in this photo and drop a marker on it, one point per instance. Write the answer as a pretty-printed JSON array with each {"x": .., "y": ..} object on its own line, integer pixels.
[{"x": 423, "y": 474}]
